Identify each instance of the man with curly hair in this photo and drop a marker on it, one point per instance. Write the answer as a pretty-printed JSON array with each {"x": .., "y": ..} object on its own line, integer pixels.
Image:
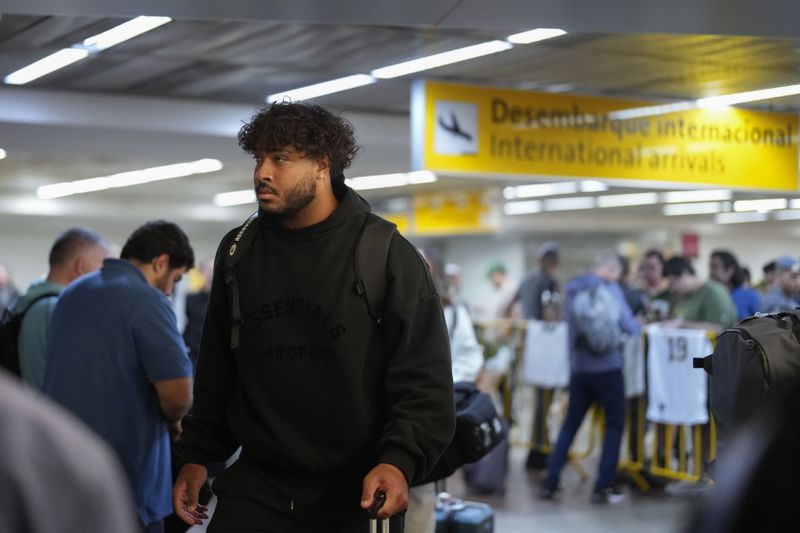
[{"x": 328, "y": 405}]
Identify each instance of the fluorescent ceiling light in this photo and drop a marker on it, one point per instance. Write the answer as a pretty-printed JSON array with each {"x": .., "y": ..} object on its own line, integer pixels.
[
  {"x": 716, "y": 102},
  {"x": 3, "y": 154},
  {"x": 522, "y": 208},
  {"x": 553, "y": 189},
  {"x": 382, "y": 181},
  {"x": 540, "y": 189},
  {"x": 698, "y": 208},
  {"x": 321, "y": 89},
  {"x": 649, "y": 111},
  {"x": 438, "y": 60},
  {"x": 96, "y": 43},
  {"x": 789, "y": 214},
  {"x": 126, "y": 179},
  {"x": 770, "y": 204},
  {"x": 739, "y": 218},
  {"x": 227, "y": 199},
  {"x": 675, "y": 197},
  {"x": 569, "y": 204},
  {"x": 123, "y": 32},
  {"x": 625, "y": 200},
  {"x": 46, "y": 65},
  {"x": 593, "y": 186},
  {"x": 794, "y": 204},
  {"x": 532, "y": 36}
]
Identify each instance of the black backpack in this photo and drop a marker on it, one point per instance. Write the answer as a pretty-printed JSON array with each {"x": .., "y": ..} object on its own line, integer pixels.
[
  {"x": 10, "y": 325},
  {"x": 753, "y": 363}
]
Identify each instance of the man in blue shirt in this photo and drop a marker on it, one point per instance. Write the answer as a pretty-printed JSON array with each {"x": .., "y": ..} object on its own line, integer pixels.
[
  {"x": 115, "y": 358},
  {"x": 595, "y": 376},
  {"x": 781, "y": 296}
]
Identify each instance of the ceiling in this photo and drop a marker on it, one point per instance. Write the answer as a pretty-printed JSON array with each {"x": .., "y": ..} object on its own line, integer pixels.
[{"x": 181, "y": 91}]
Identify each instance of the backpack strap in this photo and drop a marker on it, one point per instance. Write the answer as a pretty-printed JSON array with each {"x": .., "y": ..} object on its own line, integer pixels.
[
  {"x": 240, "y": 243},
  {"x": 372, "y": 253},
  {"x": 21, "y": 311}
]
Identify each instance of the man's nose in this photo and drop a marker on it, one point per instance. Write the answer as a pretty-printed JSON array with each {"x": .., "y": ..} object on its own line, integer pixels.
[{"x": 263, "y": 171}]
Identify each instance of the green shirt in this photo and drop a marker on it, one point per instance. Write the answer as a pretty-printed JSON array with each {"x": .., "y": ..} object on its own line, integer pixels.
[
  {"x": 33, "y": 331},
  {"x": 710, "y": 303}
]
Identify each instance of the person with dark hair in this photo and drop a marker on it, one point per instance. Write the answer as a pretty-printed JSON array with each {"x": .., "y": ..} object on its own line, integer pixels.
[
  {"x": 467, "y": 359},
  {"x": 697, "y": 304},
  {"x": 785, "y": 286},
  {"x": 540, "y": 295},
  {"x": 329, "y": 405},
  {"x": 655, "y": 286},
  {"x": 767, "y": 278},
  {"x": 116, "y": 359},
  {"x": 76, "y": 252},
  {"x": 724, "y": 268}
]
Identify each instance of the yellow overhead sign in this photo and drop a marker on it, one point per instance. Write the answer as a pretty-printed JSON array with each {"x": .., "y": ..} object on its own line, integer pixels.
[
  {"x": 478, "y": 130},
  {"x": 447, "y": 213}
]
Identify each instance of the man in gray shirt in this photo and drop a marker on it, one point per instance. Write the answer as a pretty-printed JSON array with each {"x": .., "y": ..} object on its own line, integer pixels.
[{"x": 541, "y": 300}]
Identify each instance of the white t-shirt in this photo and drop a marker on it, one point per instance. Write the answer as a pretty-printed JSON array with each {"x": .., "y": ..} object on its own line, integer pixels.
[{"x": 466, "y": 353}]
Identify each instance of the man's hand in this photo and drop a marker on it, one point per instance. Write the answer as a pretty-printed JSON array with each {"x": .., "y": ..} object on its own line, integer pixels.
[
  {"x": 186, "y": 492},
  {"x": 389, "y": 479}
]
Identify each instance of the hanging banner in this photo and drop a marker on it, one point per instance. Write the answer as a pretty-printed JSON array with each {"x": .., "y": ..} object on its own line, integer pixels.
[{"x": 486, "y": 130}]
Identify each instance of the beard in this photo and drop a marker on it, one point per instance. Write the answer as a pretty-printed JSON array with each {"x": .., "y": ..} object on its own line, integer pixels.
[{"x": 295, "y": 200}]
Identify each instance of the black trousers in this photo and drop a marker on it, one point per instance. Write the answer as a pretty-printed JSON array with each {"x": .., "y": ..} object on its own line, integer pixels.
[{"x": 251, "y": 501}]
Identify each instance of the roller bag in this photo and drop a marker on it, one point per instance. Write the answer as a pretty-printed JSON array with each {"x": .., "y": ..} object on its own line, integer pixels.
[
  {"x": 457, "y": 516},
  {"x": 488, "y": 474}
]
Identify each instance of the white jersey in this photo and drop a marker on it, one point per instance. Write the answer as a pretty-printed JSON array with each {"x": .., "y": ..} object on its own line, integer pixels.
[
  {"x": 677, "y": 392},
  {"x": 546, "y": 354},
  {"x": 633, "y": 366}
]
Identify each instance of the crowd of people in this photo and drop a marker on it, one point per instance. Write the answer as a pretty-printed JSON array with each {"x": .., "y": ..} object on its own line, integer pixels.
[{"x": 333, "y": 409}]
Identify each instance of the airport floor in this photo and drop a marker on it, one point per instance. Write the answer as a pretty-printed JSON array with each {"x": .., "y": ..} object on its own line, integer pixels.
[{"x": 521, "y": 511}]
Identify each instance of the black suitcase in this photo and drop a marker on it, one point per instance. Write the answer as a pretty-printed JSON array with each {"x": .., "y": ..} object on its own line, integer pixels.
[{"x": 456, "y": 516}]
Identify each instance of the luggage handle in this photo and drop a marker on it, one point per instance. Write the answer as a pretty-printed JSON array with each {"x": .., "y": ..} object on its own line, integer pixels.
[{"x": 377, "y": 502}]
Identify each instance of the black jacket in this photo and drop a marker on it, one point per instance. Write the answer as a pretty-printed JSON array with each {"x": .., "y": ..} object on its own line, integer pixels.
[{"x": 317, "y": 388}]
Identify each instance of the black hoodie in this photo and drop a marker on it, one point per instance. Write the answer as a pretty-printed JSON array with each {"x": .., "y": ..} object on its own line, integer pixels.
[{"x": 317, "y": 388}]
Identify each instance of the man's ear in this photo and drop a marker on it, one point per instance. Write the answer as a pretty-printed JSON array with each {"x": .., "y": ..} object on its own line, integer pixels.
[
  {"x": 323, "y": 166},
  {"x": 160, "y": 263},
  {"x": 81, "y": 266}
]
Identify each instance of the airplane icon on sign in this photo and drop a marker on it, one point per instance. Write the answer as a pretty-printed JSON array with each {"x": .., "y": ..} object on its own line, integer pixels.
[{"x": 453, "y": 127}]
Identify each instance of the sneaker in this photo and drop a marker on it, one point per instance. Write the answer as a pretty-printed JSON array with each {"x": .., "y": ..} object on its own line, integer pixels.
[
  {"x": 610, "y": 495},
  {"x": 689, "y": 488},
  {"x": 547, "y": 492},
  {"x": 536, "y": 460}
]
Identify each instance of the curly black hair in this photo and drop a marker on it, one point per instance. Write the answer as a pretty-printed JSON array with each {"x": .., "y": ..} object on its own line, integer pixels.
[{"x": 310, "y": 129}]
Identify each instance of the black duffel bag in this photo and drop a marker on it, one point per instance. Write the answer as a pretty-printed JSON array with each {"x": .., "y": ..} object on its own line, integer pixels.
[{"x": 479, "y": 429}]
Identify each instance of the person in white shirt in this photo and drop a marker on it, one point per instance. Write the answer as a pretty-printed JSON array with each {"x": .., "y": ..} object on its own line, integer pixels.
[{"x": 467, "y": 360}]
